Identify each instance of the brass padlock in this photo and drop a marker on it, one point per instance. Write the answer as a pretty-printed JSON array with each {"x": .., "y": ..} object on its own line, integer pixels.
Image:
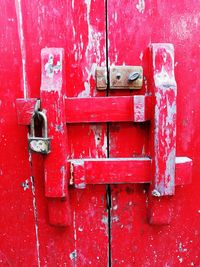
[{"x": 39, "y": 144}]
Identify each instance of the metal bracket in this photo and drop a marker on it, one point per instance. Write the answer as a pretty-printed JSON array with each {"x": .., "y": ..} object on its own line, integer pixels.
[{"x": 121, "y": 77}]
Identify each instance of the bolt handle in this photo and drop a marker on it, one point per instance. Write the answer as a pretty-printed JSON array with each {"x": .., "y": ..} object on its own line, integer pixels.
[{"x": 133, "y": 76}]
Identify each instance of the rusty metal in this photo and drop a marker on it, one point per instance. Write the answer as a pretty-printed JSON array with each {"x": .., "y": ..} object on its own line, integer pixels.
[
  {"x": 126, "y": 77},
  {"x": 101, "y": 78},
  {"x": 39, "y": 144}
]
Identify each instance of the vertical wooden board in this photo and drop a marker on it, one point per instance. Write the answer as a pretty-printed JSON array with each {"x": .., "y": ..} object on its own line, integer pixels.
[
  {"x": 78, "y": 27},
  {"x": 18, "y": 224},
  {"x": 132, "y": 26}
]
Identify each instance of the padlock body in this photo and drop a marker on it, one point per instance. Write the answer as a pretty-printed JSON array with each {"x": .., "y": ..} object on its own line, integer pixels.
[{"x": 39, "y": 144}]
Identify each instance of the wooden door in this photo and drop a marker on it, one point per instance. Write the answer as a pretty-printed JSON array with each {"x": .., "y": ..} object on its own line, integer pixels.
[
  {"x": 132, "y": 27},
  {"x": 110, "y": 224}
]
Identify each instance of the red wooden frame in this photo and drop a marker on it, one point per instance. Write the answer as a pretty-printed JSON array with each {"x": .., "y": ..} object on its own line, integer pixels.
[
  {"x": 162, "y": 169},
  {"x": 96, "y": 109},
  {"x": 122, "y": 171}
]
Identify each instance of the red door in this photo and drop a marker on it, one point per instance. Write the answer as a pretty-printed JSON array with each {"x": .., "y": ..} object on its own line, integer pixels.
[{"x": 116, "y": 188}]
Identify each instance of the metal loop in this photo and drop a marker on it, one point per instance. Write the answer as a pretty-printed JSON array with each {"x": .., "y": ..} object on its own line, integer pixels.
[{"x": 45, "y": 126}]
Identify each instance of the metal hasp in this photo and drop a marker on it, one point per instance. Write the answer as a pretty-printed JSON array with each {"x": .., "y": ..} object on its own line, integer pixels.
[
  {"x": 39, "y": 144},
  {"x": 161, "y": 169}
]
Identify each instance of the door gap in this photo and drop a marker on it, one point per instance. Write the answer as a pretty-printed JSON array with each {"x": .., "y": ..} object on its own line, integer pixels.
[
  {"x": 35, "y": 211},
  {"x": 108, "y": 187}
]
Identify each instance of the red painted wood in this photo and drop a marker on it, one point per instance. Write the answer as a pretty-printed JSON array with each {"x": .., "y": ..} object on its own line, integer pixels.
[
  {"x": 108, "y": 109},
  {"x": 18, "y": 222},
  {"x": 25, "y": 110},
  {"x": 52, "y": 95},
  {"x": 183, "y": 170},
  {"x": 164, "y": 136},
  {"x": 109, "y": 171},
  {"x": 132, "y": 27},
  {"x": 122, "y": 170},
  {"x": 164, "y": 132},
  {"x": 93, "y": 109},
  {"x": 79, "y": 28}
]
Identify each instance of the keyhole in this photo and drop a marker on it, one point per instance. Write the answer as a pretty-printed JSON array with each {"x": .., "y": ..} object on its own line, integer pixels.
[{"x": 118, "y": 76}]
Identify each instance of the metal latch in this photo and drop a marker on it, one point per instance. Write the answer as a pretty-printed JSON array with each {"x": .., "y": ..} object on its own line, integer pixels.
[{"x": 121, "y": 77}]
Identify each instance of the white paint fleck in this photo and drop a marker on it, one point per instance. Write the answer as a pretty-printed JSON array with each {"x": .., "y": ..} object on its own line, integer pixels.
[
  {"x": 86, "y": 92},
  {"x": 73, "y": 255},
  {"x": 163, "y": 80},
  {"x": 104, "y": 147},
  {"x": 180, "y": 160},
  {"x": 180, "y": 259},
  {"x": 50, "y": 69},
  {"x": 72, "y": 4},
  {"x": 141, "y": 6},
  {"x": 25, "y": 185},
  {"x": 104, "y": 220},
  {"x": 115, "y": 218},
  {"x": 115, "y": 207},
  {"x": 141, "y": 56},
  {"x": 111, "y": 159}
]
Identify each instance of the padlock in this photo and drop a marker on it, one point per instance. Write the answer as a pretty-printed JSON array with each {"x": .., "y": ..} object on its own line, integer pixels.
[{"x": 39, "y": 144}]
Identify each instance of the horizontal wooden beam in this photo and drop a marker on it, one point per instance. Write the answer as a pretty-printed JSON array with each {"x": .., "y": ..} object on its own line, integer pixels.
[
  {"x": 108, "y": 109},
  {"x": 94, "y": 109},
  {"x": 122, "y": 170}
]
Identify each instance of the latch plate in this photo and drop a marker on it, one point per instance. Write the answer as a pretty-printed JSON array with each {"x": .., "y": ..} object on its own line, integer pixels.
[
  {"x": 126, "y": 77},
  {"x": 121, "y": 77}
]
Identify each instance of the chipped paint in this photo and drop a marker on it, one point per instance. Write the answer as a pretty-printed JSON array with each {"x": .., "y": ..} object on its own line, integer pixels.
[
  {"x": 141, "y": 6},
  {"x": 180, "y": 160},
  {"x": 73, "y": 255},
  {"x": 139, "y": 108},
  {"x": 104, "y": 220},
  {"x": 50, "y": 68},
  {"x": 100, "y": 139},
  {"x": 89, "y": 73},
  {"x": 78, "y": 166},
  {"x": 164, "y": 80},
  {"x": 63, "y": 179},
  {"x": 18, "y": 8},
  {"x": 36, "y": 219},
  {"x": 165, "y": 118},
  {"x": 25, "y": 185}
]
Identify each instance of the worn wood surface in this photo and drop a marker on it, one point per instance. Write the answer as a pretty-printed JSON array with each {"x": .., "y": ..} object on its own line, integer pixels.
[
  {"x": 132, "y": 27},
  {"x": 27, "y": 239},
  {"x": 164, "y": 124},
  {"x": 102, "y": 233},
  {"x": 123, "y": 171}
]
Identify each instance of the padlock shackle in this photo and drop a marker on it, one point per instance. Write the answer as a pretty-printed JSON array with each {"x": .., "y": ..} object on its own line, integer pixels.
[
  {"x": 32, "y": 126},
  {"x": 45, "y": 125}
]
